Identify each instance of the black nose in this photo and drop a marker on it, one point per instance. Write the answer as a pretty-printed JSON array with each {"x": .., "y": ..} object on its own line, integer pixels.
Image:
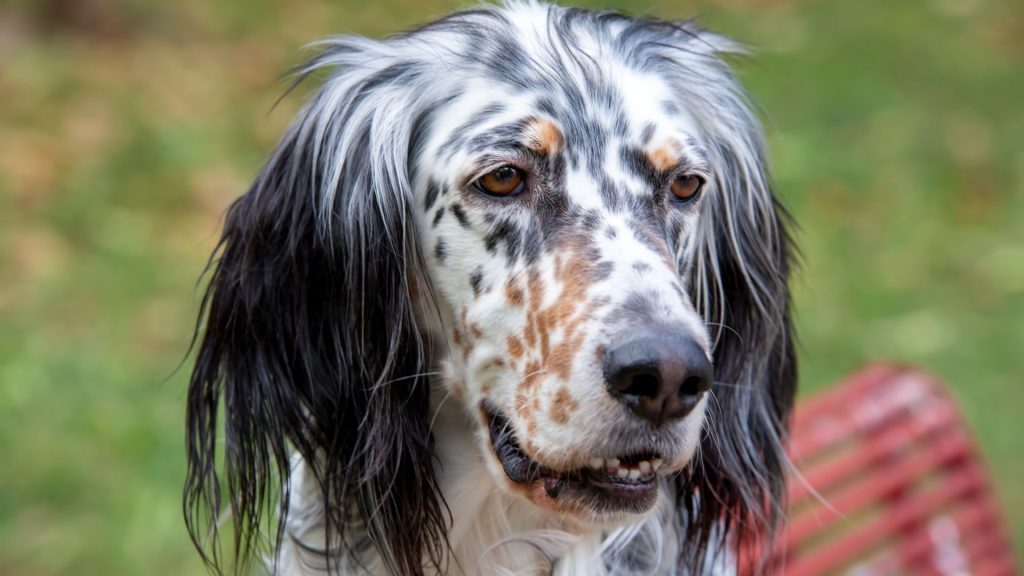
[{"x": 660, "y": 376}]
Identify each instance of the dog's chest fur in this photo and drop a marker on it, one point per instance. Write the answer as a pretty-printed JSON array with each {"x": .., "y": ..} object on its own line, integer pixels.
[{"x": 492, "y": 532}]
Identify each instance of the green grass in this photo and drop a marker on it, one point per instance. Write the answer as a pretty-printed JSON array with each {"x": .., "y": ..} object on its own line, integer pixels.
[{"x": 896, "y": 131}]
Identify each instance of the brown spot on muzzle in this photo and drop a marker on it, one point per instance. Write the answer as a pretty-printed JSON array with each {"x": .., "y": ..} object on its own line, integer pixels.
[
  {"x": 513, "y": 293},
  {"x": 575, "y": 273},
  {"x": 563, "y": 406},
  {"x": 515, "y": 347}
]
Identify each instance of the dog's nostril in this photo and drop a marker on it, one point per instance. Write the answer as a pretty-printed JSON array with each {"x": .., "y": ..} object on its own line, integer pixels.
[
  {"x": 644, "y": 385},
  {"x": 692, "y": 386}
]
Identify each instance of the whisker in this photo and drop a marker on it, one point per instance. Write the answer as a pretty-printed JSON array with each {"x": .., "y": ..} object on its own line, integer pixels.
[
  {"x": 447, "y": 395},
  {"x": 727, "y": 327},
  {"x": 746, "y": 388}
]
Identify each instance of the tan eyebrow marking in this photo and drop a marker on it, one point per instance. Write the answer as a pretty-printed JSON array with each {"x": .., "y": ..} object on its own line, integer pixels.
[
  {"x": 664, "y": 157},
  {"x": 543, "y": 136}
]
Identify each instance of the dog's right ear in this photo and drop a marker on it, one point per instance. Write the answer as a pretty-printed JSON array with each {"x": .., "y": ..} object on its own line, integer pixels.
[{"x": 308, "y": 332}]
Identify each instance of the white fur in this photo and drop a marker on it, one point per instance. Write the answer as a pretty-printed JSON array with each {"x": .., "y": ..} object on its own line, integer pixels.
[{"x": 492, "y": 532}]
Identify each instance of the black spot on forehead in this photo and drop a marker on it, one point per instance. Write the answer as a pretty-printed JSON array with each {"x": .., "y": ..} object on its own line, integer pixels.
[
  {"x": 696, "y": 150},
  {"x": 507, "y": 60},
  {"x": 590, "y": 140},
  {"x": 639, "y": 165},
  {"x": 647, "y": 134},
  {"x": 613, "y": 198},
  {"x": 461, "y": 136},
  {"x": 504, "y": 137},
  {"x": 604, "y": 94},
  {"x": 438, "y": 216},
  {"x": 546, "y": 105}
]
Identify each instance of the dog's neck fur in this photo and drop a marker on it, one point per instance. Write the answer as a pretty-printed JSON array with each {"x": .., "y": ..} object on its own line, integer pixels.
[{"x": 492, "y": 532}]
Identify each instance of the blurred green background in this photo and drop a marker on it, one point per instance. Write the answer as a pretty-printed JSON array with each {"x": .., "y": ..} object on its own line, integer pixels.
[{"x": 127, "y": 126}]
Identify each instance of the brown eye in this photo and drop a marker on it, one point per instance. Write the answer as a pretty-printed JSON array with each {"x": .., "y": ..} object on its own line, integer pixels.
[
  {"x": 503, "y": 181},
  {"x": 687, "y": 186}
]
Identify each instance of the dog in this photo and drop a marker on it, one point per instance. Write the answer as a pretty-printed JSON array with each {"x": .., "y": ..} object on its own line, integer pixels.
[{"x": 509, "y": 297}]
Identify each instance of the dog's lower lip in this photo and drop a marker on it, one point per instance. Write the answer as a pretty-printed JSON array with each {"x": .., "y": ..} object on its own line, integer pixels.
[{"x": 635, "y": 489}]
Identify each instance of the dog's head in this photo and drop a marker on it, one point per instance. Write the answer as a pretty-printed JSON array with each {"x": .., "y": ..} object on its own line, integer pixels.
[{"x": 565, "y": 213}]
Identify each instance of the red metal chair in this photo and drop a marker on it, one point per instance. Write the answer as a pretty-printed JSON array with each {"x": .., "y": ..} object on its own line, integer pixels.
[{"x": 901, "y": 489}]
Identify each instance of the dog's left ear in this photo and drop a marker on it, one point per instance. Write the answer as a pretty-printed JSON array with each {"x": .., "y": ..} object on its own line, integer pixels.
[
  {"x": 740, "y": 286},
  {"x": 310, "y": 335}
]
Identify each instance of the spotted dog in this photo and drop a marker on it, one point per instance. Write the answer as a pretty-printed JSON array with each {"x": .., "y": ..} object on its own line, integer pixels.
[{"x": 510, "y": 296}]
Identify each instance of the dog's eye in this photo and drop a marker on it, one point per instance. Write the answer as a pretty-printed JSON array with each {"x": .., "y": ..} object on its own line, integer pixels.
[
  {"x": 503, "y": 181},
  {"x": 687, "y": 187}
]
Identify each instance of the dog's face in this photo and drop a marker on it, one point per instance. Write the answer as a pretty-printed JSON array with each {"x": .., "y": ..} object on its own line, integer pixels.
[
  {"x": 558, "y": 211},
  {"x": 567, "y": 209}
]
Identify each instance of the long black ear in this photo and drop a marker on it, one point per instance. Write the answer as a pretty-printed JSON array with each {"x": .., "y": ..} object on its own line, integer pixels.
[
  {"x": 310, "y": 335},
  {"x": 735, "y": 495}
]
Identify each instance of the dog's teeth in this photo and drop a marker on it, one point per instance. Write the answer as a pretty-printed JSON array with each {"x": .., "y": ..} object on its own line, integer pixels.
[
  {"x": 596, "y": 463},
  {"x": 623, "y": 473},
  {"x": 612, "y": 462},
  {"x": 645, "y": 466},
  {"x": 655, "y": 464},
  {"x": 634, "y": 474}
]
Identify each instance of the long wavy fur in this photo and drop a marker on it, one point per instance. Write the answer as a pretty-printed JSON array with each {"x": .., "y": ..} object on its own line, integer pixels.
[{"x": 310, "y": 339}]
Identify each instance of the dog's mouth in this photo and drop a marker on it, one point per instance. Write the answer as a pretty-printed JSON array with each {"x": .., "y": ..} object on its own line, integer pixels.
[{"x": 625, "y": 483}]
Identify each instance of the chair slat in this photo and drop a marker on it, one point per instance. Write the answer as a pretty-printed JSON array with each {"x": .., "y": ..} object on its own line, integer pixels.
[
  {"x": 876, "y": 487},
  {"x": 826, "y": 475},
  {"x": 865, "y": 536},
  {"x": 905, "y": 490}
]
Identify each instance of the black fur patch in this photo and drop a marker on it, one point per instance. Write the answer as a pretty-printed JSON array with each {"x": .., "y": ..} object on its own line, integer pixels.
[
  {"x": 441, "y": 251},
  {"x": 433, "y": 190},
  {"x": 460, "y": 215},
  {"x": 476, "y": 279},
  {"x": 603, "y": 270}
]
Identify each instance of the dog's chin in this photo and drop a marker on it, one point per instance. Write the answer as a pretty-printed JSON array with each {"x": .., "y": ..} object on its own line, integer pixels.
[{"x": 606, "y": 490}]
